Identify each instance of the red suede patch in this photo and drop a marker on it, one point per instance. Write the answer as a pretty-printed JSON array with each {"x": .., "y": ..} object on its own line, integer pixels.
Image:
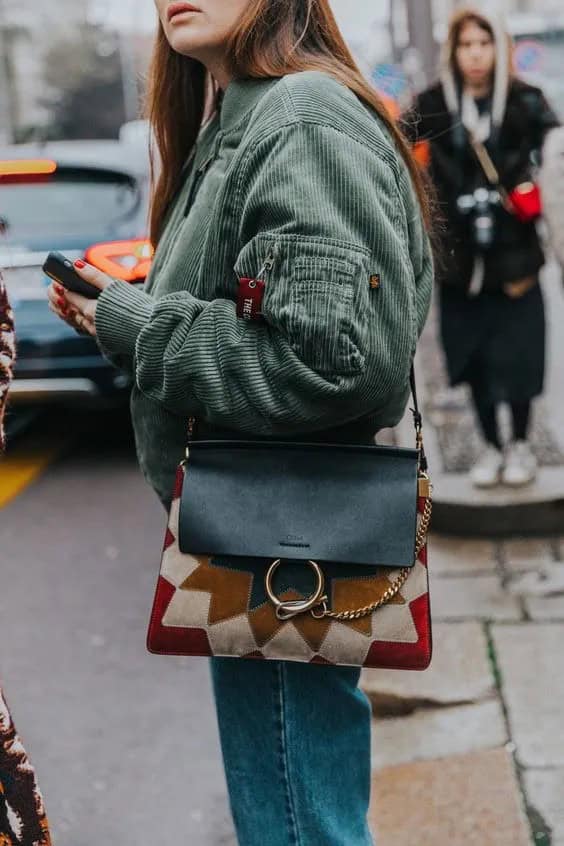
[
  {"x": 178, "y": 483},
  {"x": 172, "y": 640},
  {"x": 169, "y": 539},
  {"x": 406, "y": 656}
]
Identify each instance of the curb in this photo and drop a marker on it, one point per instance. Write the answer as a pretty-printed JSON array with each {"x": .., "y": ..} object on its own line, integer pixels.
[{"x": 460, "y": 509}]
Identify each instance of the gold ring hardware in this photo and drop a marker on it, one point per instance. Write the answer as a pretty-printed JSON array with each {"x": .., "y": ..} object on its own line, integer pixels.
[
  {"x": 287, "y": 610},
  {"x": 294, "y": 607}
]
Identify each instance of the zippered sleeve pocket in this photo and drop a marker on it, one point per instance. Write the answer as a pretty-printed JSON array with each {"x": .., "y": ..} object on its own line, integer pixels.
[{"x": 316, "y": 296}]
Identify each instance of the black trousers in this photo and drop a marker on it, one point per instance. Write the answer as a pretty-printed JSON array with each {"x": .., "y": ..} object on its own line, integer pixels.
[{"x": 486, "y": 412}]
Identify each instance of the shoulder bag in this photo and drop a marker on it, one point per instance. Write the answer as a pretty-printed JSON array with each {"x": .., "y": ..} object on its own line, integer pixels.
[{"x": 300, "y": 551}]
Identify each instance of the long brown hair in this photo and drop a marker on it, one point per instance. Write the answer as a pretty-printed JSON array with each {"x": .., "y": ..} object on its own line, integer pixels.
[{"x": 273, "y": 38}]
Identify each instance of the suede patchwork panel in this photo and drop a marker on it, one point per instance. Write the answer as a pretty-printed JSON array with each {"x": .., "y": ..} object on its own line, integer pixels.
[{"x": 226, "y": 599}]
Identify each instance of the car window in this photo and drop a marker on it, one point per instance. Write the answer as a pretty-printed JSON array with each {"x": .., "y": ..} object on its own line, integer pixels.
[{"x": 75, "y": 208}]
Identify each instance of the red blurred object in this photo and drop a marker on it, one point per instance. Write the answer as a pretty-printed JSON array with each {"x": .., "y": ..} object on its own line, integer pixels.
[
  {"x": 126, "y": 260},
  {"x": 422, "y": 153},
  {"x": 14, "y": 171},
  {"x": 526, "y": 202}
]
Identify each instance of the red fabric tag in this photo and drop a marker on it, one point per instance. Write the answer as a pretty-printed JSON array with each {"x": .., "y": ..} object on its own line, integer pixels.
[{"x": 249, "y": 298}]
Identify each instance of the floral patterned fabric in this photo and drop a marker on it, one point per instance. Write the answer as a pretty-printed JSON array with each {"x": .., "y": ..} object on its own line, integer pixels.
[
  {"x": 7, "y": 353},
  {"x": 22, "y": 815}
]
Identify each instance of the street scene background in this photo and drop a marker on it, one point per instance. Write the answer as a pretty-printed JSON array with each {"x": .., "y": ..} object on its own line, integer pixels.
[{"x": 125, "y": 744}]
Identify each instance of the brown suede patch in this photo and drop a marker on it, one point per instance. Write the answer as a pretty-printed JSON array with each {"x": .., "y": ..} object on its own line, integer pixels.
[
  {"x": 265, "y": 624},
  {"x": 230, "y": 590}
]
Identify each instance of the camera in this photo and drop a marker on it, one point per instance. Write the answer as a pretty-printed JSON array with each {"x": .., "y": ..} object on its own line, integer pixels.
[{"x": 480, "y": 207}]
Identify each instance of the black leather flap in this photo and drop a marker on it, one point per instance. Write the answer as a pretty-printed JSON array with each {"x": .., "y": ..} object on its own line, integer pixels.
[{"x": 326, "y": 502}]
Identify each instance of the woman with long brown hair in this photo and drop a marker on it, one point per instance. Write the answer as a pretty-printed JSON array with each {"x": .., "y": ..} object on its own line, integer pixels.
[
  {"x": 294, "y": 178},
  {"x": 484, "y": 127}
]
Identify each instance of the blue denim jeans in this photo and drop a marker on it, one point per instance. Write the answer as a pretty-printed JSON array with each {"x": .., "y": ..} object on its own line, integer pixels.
[{"x": 296, "y": 748}]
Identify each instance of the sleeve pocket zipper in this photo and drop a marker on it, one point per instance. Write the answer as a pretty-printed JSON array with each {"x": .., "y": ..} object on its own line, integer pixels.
[{"x": 267, "y": 265}]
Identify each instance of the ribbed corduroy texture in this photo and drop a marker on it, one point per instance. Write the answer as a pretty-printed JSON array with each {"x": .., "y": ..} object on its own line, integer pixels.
[{"x": 300, "y": 171}]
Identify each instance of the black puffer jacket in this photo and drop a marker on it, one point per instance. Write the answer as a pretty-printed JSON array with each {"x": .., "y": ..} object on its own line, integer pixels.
[{"x": 455, "y": 171}]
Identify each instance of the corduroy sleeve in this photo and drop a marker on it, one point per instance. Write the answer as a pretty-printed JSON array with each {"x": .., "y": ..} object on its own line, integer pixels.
[{"x": 340, "y": 312}]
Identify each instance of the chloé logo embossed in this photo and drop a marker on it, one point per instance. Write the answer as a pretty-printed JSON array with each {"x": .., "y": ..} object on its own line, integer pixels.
[{"x": 297, "y": 541}]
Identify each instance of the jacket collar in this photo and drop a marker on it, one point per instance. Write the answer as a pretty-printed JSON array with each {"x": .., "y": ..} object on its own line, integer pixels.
[{"x": 240, "y": 97}]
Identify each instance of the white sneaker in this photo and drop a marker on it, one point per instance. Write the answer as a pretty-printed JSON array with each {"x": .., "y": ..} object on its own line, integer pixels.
[
  {"x": 486, "y": 473},
  {"x": 520, "y": 465}
]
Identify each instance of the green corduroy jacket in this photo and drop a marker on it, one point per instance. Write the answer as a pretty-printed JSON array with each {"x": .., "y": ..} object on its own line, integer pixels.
[{"x": 298, "y": 175}]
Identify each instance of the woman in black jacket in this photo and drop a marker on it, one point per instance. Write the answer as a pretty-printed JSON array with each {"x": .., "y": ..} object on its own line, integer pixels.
[{"x": 492, "y": 313}]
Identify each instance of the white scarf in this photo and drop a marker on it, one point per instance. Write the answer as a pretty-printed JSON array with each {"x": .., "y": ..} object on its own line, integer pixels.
[{"x": 479, "y": 125}]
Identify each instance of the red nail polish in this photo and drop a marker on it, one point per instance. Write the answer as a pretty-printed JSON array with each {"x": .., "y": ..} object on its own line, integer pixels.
[
  {"x": 80, "y": 264},
  {"x": 62, "y": 302}
]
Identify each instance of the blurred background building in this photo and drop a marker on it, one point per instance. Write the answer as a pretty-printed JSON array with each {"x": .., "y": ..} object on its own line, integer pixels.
[
  {"x": 27, "y": 30},
  {"x": 68, "y": 70},
  {"x": 75, "y": 68}
]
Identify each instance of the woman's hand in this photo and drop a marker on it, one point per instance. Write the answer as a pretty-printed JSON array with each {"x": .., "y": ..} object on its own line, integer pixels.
[{"x": 76, "y": 310}]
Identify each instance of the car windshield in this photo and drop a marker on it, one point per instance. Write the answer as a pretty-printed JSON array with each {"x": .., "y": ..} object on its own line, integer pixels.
[{"x": 67, "y": 209}]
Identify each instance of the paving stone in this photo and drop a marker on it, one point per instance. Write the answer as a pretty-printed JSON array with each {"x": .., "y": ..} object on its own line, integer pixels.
[
  {"x": 470, "y": 598},
  {"x": 546, "y": 608},
  {"x": 531, "y": 664},
  {"x": 545, "y": 792},
  {"x": 455, "y": 556},
  {"x": 470, "y": 800},
  {"x": 523, "y": 554},
  {"x": 460, "y": 673},
  {"x": 437, "y": 733}
]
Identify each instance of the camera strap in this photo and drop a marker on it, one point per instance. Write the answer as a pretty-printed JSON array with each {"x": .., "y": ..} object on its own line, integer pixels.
[{"x": 490, "y": 170}]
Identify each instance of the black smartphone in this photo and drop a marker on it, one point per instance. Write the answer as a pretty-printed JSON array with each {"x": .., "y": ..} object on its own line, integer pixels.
[{"x": 61, "y": 269}]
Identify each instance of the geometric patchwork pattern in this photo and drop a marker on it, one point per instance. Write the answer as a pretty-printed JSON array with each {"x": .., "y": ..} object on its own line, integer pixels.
[{"x": 219, "y": 606}]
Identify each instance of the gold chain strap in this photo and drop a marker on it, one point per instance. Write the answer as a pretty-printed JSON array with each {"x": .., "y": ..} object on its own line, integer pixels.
[{"x": 395, "y": 587}]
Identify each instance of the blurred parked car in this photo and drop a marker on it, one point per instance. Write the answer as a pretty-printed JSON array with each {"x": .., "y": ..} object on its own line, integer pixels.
[{"x": 89, "y": 200}]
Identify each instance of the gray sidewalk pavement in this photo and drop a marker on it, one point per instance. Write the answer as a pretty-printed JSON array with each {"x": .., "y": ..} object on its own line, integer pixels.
[{"x": 471, "y": 752}]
